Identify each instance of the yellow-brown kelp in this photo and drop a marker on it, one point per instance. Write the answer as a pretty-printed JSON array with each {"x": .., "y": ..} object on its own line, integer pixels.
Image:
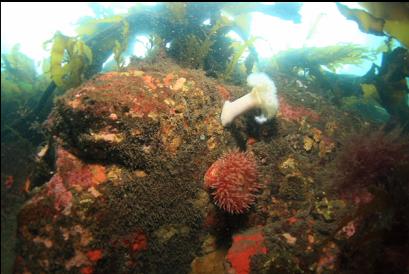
[
  {"x": 382, "y": 18},
  {"x": 69, "y": 58}
]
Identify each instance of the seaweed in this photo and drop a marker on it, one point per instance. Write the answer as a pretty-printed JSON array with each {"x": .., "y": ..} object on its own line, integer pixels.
[
  {"x": 69, "y": 59},
  {"x": 374, "y": 159},
  {"x": 372, "y": 171},
  {"x": 239, "y": 49},
  {"x": 20, "y": 85},
  {"x": 19, "y": 69},
  {"x": 333, "y": 57},
  {"x": 391, "y": 85},
  {"x": 193, "y": 49},
  {"x": 177, "y": 12},
  {"x": 121, "y": 44},
  {"x": 90, "y": 26},
  {"x": 381, "y": 88},
  {"x": 155, "y": 47},
  {"x": 381, "y": 19}
]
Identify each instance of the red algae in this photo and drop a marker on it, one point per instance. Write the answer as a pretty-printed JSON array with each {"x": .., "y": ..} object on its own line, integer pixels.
[
  {"x": 140, "y": 242},
  {"x": 149, "y": 81},
  {"x": 223, "y": 92},
  {"x": 295, "y": 113},
  {"x": 9, "y": 182},
  {"x": 72, "y": 173},
  {"x": 94, "y": 255},
  {"x": 243, "y": 248},
  {"x": 87, "y": 270},
  {"x": 75, "y": 173},
  {"x": 62, "y": 196},
  {"x": 372, "y": 159}
]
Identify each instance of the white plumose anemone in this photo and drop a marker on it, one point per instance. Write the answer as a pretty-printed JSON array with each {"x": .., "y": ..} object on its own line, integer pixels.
[{"x": 263, "y": 96}]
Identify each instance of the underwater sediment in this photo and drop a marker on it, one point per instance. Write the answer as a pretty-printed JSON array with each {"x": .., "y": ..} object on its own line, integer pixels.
[{"x": 127, "y": 194}]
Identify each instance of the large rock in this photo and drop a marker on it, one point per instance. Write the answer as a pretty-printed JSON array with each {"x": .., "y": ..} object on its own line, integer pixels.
[
  {"x": 127, "y": 196},
  {"x": 132, "y": 148}
]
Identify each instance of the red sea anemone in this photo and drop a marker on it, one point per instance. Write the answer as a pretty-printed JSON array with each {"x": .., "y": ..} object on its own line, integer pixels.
[{"x": 233, "y": 181}]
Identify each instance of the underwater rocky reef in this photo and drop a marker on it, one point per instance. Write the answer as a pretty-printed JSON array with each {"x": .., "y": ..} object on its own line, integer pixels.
[
  {"x": 142, "y": 170},
  {"x": 128, "y": 196}
]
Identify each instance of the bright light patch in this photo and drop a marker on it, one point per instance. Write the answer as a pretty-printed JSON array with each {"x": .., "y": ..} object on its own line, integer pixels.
[
  {"x": 141, "y": 46},
  {"x": 277, "y": 34},
  {"x": 31, "y": 24},
  {"x": 321, "y": 25},
  {"x": 331, "y": 28},
  {"x": 109, "y": 61},
  {"x": 234, "y": 36}
]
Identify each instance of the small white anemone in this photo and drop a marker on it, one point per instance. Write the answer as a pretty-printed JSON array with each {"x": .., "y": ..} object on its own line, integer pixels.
[{"x": 263, "y": 96}]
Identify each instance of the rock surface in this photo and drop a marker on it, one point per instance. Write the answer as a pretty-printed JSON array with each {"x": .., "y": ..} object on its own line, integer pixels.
[{"x": 127, "y": 194}]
